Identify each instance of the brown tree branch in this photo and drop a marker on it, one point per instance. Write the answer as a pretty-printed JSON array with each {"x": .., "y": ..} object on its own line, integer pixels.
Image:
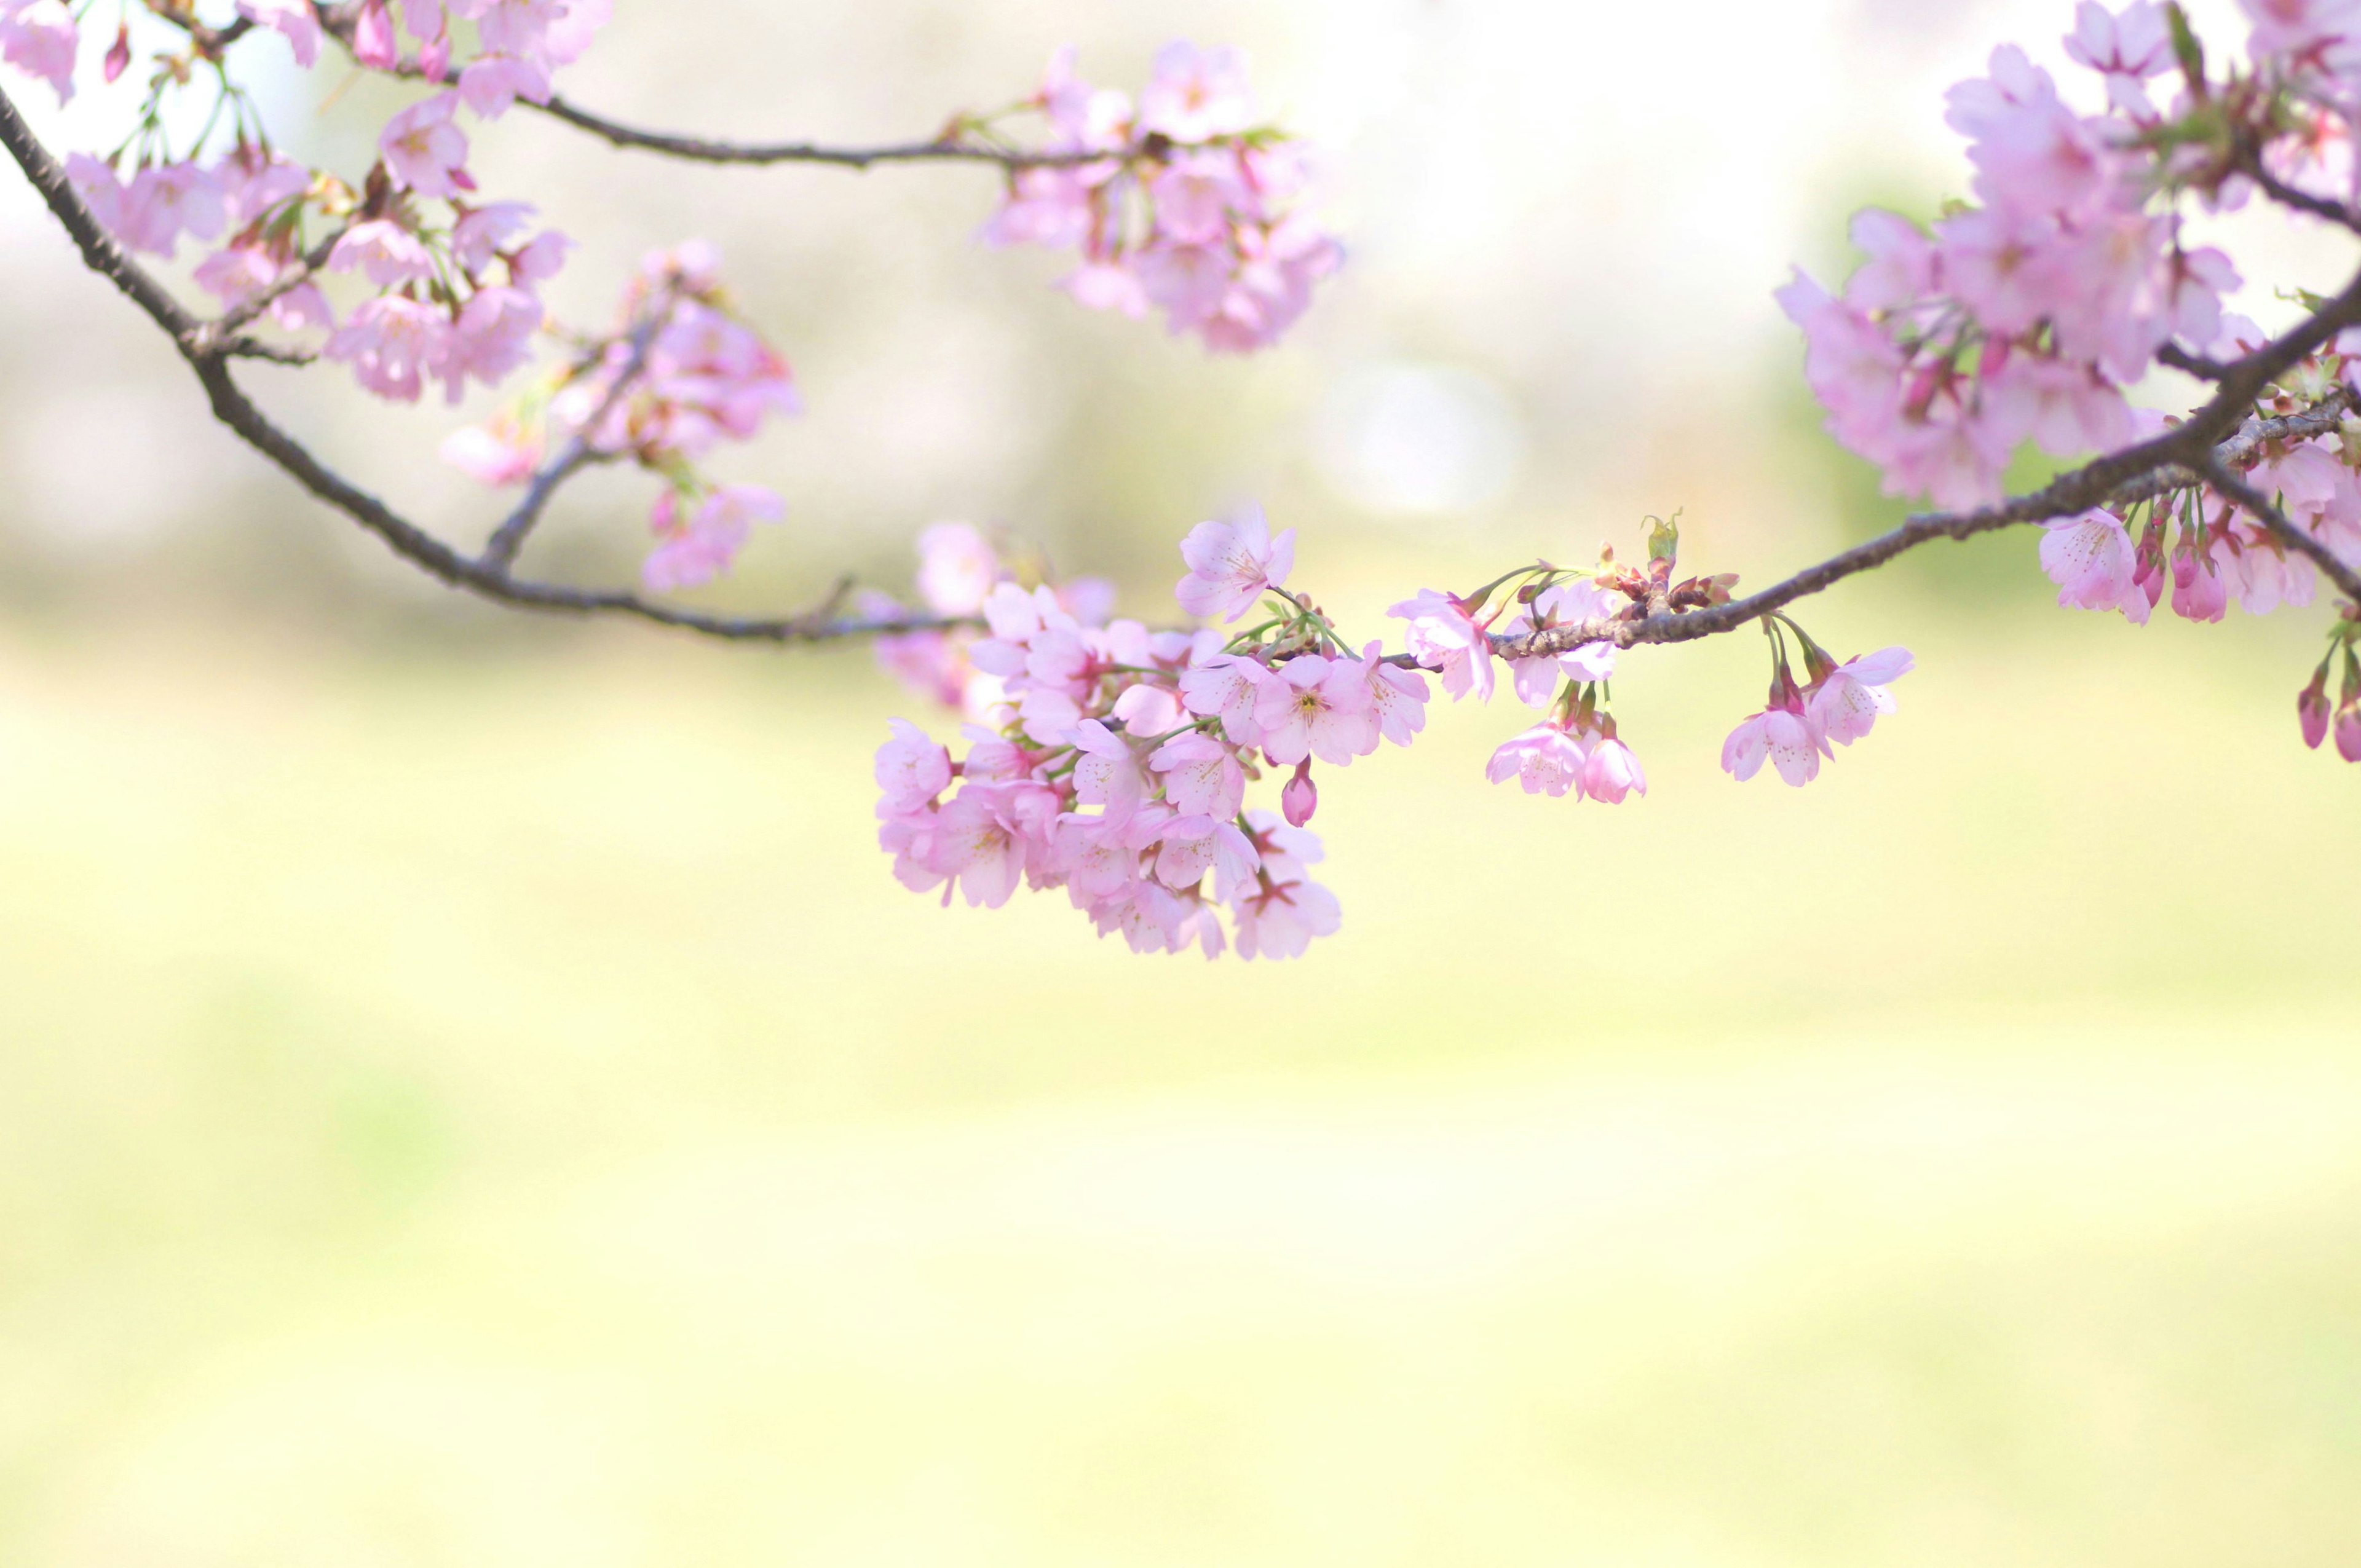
[
  {"x": 2259, "y": 507},
  {"x": 707, "y": 149},
  {"x": 491, "y": 580},
  {"x": 2220, "y": 432}
]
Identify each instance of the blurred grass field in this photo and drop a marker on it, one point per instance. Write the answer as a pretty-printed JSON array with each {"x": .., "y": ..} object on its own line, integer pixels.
[{"x": 498, "y": 1110}]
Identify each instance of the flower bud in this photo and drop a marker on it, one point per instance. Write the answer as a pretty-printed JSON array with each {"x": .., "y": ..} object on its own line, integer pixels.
[
  {"x": 118, "y": 58},
  {"x": 2349, "y": 732},
  {"x": 1301, "y": 797},
  {"x": 2312, "y": 708}
]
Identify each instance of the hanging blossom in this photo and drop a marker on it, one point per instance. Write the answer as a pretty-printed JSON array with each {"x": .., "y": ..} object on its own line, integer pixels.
[
  {"x": 1112, "y": 761},
  {"x": 1181, "y": 202}
]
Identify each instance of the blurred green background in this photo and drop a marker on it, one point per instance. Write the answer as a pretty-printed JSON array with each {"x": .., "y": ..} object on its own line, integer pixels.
[{"x": 471, "y": 1092}]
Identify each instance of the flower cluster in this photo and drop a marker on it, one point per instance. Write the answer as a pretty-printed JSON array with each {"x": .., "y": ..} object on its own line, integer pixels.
[
  {"x": 1180, "y": 201},
  {"x": 39, "y": 38},
  {"x": 1840, "y": 704},
  {"x": 454, "y": 280},
  {"x": 2025, "y": 317},
  {"x": 680, "y": 372},
  {"x": 1112, "y": 761}
]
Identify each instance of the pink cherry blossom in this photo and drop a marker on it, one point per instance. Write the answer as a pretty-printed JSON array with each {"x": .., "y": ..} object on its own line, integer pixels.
[
  {"x": 2126, "y": 48},
  {"x": 39, "y": 39},
  {"x": 161, "y": 203},
  {"x": 1318, "y": 707},
  {"x": 912, "y": 768},
  {"x": 1196, "y": 94},
  {"x": 387, "y": 253},
  {"x": 1107, "y": 774},
  {"x": 1846, "y": 702},
  {"x": 391, "y": 341},
  {"x": 1443, "y": 636},
  {"x": 500, "y": 452},
  {"x": 423, "y": 150},
  {"x": 1546, "y": 759},
  {"x": 293, "y": 18},
  {"x": 483, "y": 232},
  {"x": 1279, "y": 919},
  {"x": 1784, "y": 736},
  {"x": 957, "y": 568},
  {"x": 1230, "y": 687},
  {"x": 1202, "y": 776},
  {"x": 1611, "y": 772},
  {"x": 1397, "y": 696},
  {"x": 2090, "y": 557},
  {"x": 697, "y": 549},
  {"x": 491, "y": 336}
]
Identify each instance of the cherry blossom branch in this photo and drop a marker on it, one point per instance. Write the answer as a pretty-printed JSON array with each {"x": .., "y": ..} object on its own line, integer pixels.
[
  {"x": 501, "y": 550},
  {"x": 2260, "y": 507},
  {"x": 2195, "y": 449},
  {"x": 208, "y": 356},
  {"x": 705, "y": 149},
  {"x": 308, "y": 268}
]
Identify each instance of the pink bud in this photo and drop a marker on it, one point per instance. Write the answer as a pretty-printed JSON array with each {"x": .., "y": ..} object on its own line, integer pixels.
[
  {"x": 373, "y": 43},
  {"x": 118, "y": 58},
  {"x": 2312, "y": 709},
  {"x": 1300, "y": 798},
  {"x": 2349, "y": 732},
  {"x": 434, "y": 55}
]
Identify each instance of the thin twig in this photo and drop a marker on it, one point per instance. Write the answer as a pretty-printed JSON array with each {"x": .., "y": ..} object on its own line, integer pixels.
[
  {"x": 2259, "y": 507},
  {"x": 707, "y": 149},
  {"x": 501, "y": 549},
  {"x": 406, "y": 539}
]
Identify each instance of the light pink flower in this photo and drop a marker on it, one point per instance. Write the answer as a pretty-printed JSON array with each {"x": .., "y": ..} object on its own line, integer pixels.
[
  {"x": 2127, "y": 49},
  {"x": 912, "y": 768},
  {"x": 492, "y": 84},
  {"x": 391, "y": 341},
  {"x": 1229, "y": 687},
  {"x": 164, "y": 202},
  {"x": 493, "y": 336},
  {"x": 293, "y": 18},
  {"x": 1196, "y": 94},
  {"x": 1546, "y": 759},
  {"x": 387, "y": 253},
  {"x": 236, "y": 273},
  {"x": 1443, "y": 637},
  {"x": 423, "y": 151},
  {"x": 1610, "y": 773},
  {"x": 1782, "y": 734},
  {"x": 1231, "y": 564},
  {"x": 498, "y": 452},
  {"x": 1397, "y": 696},
  {"x": 2091, "y": 558},
  {"x": 1202, "y": 776},
  {"x": 957, "y": 568},
  {"x": 1846, "y": 702},
  {"x": 483, "y": 232},
  {"x": 1107, "y": 774},
  {"x": 1280, "y": 920},
  {"x": 39, "y": 39},
  {"x": 1318, "y": 707},
  {"x": 696, "y": 550}
]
